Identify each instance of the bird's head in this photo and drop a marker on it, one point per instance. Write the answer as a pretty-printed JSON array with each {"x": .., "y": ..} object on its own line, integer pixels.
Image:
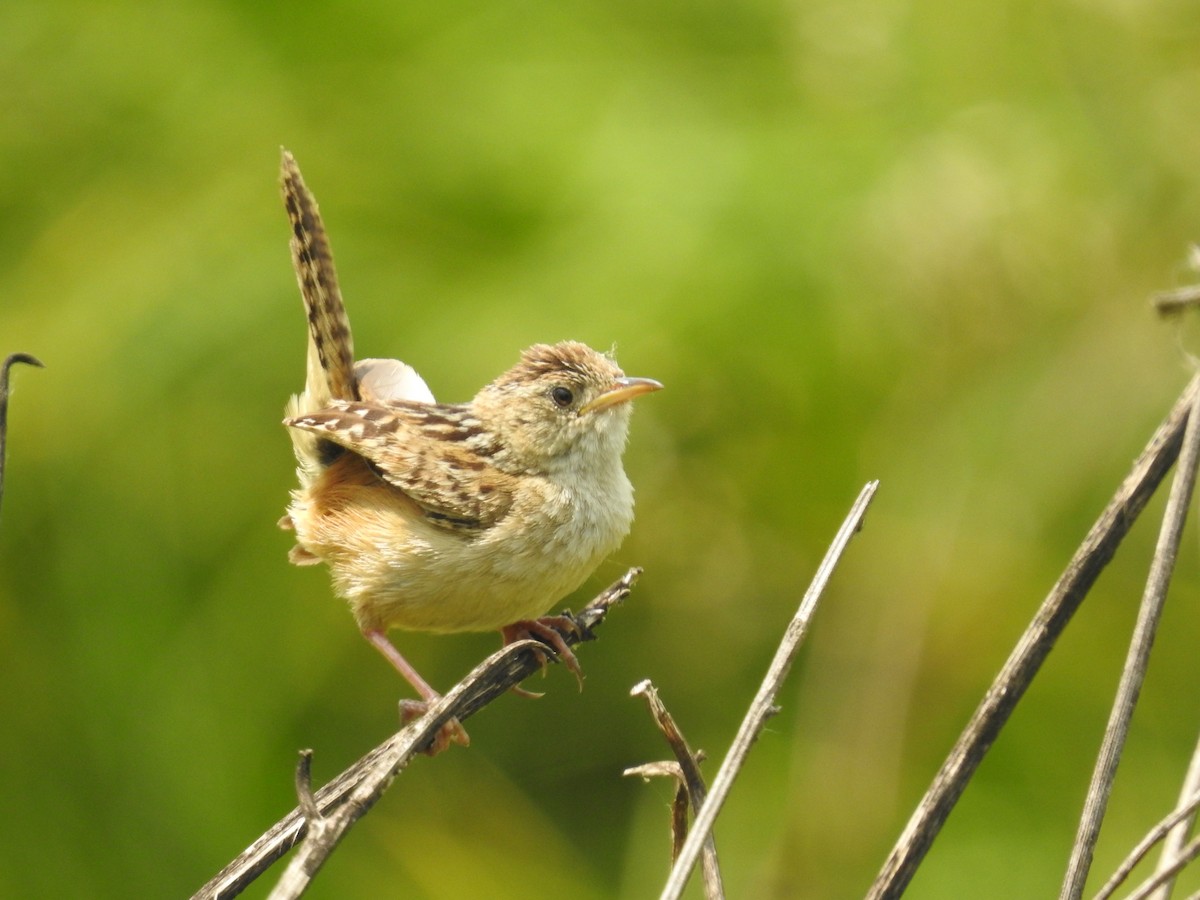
[{"x": 562, "y": 405}]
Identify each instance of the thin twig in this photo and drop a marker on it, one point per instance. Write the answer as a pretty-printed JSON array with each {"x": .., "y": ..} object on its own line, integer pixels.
[
  {"x": 297, "y": 876},
  {"x": 763, "y": 705},
  {"x": 666, "y": 768},
  {"x": 324, "y": 831},
  {"x": 1173, "y": 844},
  {"x": 1184, "y": 812},
  {"x": 489, "y": 680},
  {"x": 1137, "y": 660},
  {"x": 1175, "y": 301},
  {"x": 9, "y": 361},
  {"x": 692, "y": 783},
  {"x": 308, "y": 803},
  {"x": 1032, "y": 648},
  {"x": 1189, "y": 852}
]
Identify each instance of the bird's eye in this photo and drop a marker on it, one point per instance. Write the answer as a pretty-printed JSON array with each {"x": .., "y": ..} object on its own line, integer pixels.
[{"x": 562, "y": 396}]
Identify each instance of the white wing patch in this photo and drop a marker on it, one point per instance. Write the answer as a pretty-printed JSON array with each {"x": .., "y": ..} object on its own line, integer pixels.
[{"x": 389, "y": 379}]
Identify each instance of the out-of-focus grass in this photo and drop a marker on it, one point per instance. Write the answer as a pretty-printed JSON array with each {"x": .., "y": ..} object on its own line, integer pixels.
[{"x": 855, "y": 240}]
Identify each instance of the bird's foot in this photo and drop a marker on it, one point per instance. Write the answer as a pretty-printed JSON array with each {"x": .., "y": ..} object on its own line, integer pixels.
[
  {"x": 450, "y": 733},
  {"x": 549, "y": 630}
]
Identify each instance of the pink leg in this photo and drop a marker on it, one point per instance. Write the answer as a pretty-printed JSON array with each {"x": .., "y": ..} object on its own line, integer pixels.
[
  {"x": 380, "y": 642},
  {"x": 412, "y": 709}
]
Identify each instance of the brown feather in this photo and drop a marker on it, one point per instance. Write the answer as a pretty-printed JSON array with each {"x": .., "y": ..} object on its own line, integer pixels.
[
  {"x": 331, "y": 348},
  {"x": 436, "y": 454}
]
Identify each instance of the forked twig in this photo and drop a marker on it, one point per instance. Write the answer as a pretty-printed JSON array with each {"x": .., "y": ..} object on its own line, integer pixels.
[
  {"x": 1159, "y": 879},
  {"x": 666, "y": 768},
  {"x": 1177, "y": 836},
  {"x": 1184, "y": 812},
  {"x": 1137, "y": 659},
  {"x": 1032, "y": 648},
  {"x": 9, "y": 361},
  {"x": 353, "y": 792},
  {"x": 763, "y": 705},
  {"x": 324, "y": 829},
  {"x": 692, "y": 789}
]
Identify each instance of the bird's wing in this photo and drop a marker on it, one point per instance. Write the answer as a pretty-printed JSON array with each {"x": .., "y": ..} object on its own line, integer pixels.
[{"x": 438, "y": 455}]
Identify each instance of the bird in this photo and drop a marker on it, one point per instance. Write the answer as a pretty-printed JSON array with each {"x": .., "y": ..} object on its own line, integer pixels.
[{"x": 447, "y": 518}]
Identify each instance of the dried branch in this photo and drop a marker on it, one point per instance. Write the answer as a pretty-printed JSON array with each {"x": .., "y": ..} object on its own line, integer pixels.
[
  {"x": 1156, "y": 881},
  {"x": 665, "y": 768},
  {"x": 349, "y": 796},
  {"x": 1175, "y": 839},
  {"x": 679, "y": 803},
  {"x": 1032, "y": 648},
  {"x": 1175, "y": 301},
  {"x": 691, "y": 786},
  {"x": 324, "y": 830},
  {"x": 763, "y": 705},
  {"x": 1137, "y": 660},
  {"x": 11, "y": 360},
  {"x": 1184, "y": 812}
]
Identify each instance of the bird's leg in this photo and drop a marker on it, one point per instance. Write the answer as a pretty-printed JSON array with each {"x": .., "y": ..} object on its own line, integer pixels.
[
  {"x": 548, "y": 630},
  {"x": 451, "y": 731}
]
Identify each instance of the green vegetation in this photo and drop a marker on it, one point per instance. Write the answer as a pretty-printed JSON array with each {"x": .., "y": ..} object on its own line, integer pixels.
[{"x": 905, "y": 241}]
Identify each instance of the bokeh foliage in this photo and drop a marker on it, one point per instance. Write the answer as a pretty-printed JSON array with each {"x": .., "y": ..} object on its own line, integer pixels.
[{"x": 903, "y": 240}]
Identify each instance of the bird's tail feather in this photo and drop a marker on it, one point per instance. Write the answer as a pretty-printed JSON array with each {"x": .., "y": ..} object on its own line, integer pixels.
[
  {"x": 330, "y": 368},
  {"x": 330, "y": 345}
]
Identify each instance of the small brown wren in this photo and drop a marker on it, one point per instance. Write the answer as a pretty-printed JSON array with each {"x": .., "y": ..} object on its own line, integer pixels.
[{"x": 450, "y": 517}]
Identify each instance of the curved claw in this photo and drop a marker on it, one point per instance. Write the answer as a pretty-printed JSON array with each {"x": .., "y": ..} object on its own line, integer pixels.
[
  {"x": 549, "y": 630},
  {"x": 528, "y": 695}
]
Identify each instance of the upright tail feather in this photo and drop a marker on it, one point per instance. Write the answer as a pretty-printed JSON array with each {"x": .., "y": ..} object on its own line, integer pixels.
[
  {"x": 330, "y": 370},
  {"x": 330, "y": 345}
]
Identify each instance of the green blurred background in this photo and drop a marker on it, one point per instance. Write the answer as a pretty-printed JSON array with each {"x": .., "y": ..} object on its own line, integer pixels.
[{"x": 866, "y": 239}]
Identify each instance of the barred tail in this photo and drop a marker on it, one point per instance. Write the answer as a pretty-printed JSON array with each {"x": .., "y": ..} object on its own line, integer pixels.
[{"x": 330, "y": 346}]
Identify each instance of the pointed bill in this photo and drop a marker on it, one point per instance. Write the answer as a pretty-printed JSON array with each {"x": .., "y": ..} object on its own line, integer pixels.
[{"x": 623, "y": 389}]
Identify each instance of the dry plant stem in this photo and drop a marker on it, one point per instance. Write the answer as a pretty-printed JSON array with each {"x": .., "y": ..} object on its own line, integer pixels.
[
  {"x": 763, "y": 705},
  {"x": 679, "y": 803},
  {"x": 1032, "y": 649},
  {"x": 492, "y": 678},
  {"x": 9, "y": 361},
  {"x": 679, "y": 819},
  {"x": 296, "y": 877},
  {"x": 1184, "y": 812},
  {"x": 324, "y": 831},
  {"x": 1169, "y": 302},
  {"x": 692, "y": 783},
  {"x": 308, "y": 803},
  {"x": 1137, "y": 660},
  {"x": 1158, "y": 879},
  {"x": 1175, "y": 839}
]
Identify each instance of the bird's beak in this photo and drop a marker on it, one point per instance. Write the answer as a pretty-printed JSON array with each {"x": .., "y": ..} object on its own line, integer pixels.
[{"x": 623, "y": 389}]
